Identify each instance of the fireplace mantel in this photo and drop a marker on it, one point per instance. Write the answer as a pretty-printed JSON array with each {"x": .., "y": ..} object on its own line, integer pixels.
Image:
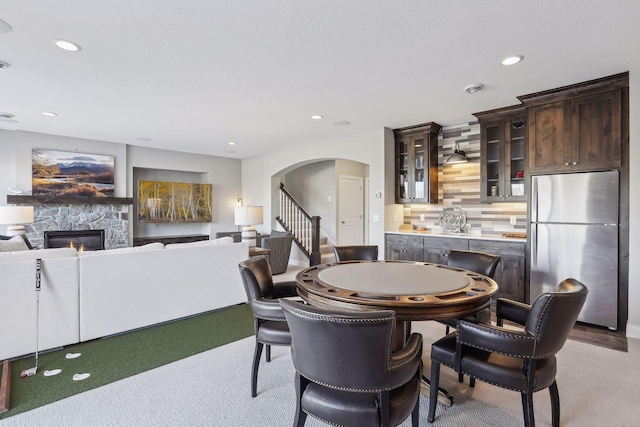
[{"x": 13, "y": 199}]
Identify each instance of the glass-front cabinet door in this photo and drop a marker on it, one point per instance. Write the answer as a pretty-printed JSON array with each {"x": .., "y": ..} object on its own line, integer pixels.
[
  {"x": 503, "y": 146},
  {"x": 417, "y": 163}
]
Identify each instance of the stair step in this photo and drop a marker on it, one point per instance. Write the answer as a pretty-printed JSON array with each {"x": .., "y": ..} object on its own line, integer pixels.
[
  {"x": 327, "y": 258},
  {"x": 326, "y": 249}
]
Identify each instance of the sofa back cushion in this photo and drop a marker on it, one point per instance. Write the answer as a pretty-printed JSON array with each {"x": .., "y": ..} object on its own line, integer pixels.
[
  {"x": 42, "y": 254},
  {"x": 149, "y": 247}
]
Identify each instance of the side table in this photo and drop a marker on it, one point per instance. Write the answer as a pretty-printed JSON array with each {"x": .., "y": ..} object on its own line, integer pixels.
[{"x": 256, "y": 251}]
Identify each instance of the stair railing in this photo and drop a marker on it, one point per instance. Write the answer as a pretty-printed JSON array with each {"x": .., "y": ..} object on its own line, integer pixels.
[{"x": 304, "y": 227}]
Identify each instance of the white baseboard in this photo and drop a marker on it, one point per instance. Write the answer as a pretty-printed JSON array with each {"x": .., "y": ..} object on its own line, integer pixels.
[{"x": 633, "y": 331}]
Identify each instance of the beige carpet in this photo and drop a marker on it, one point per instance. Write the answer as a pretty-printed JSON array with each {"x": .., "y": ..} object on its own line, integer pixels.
[{"x": 597, "y": 388}]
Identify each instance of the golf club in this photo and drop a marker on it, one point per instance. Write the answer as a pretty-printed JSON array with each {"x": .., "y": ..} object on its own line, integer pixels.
[{"x": 32, "y": 371}]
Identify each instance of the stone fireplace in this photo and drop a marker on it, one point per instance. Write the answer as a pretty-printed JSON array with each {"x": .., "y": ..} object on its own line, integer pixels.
[
  {"x": 82, "y": 240},
  {"x": 112, "y": 219}
]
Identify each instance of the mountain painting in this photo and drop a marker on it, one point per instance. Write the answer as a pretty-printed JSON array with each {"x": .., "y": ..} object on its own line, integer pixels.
[
  {"x": 63, "y": 173},
  {"x": 161, "y": 201}
]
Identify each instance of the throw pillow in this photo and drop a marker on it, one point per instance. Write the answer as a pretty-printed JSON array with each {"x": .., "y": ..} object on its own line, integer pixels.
[
  {"x": 24, "y": 237},
  {"x": 275, "y": 233},
  {"x": 14, "y": 244}
]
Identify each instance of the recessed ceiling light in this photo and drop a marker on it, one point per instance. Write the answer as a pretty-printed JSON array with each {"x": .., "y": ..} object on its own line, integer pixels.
[
  {"x": 341, "y": 123},
  {"x": 512, "y": 60},
  {"x": 7, "y": 118},
  {"x": 49, "y": 113},
  {"x": 316, "y": 117},
  {"x": 476, "y": 87},
  {"x": 67, "y": 45},
  {"x": 231, "y": 143},
  {"x": 143, "y": 139}
]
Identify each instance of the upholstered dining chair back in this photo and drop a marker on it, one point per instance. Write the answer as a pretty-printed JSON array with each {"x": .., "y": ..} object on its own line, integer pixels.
[
  {"x": 552, "y": 316},
  {"x": 356, "y": 253},
  {"x": 257, "y": 279},
  {"x": 344, "y": 351},
  {"x": 479, "y": 262},
  {"x": 346, "y": 371}
]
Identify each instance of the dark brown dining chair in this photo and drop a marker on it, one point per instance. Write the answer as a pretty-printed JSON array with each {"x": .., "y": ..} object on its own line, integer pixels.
[
  {"x": 478, "y": 262},
  {"x": 346, "y": 371},
  {"x": 270, "y": 324},
  {"x": 356, "y": 253},
  {"x": 520, "y": 360}
]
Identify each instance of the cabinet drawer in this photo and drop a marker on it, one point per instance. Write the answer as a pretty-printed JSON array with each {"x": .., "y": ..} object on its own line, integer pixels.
[
  {"x": 402, "y": 240},
  {"x": 497, "y": 247},
  {"x": 446, "y": 243}
]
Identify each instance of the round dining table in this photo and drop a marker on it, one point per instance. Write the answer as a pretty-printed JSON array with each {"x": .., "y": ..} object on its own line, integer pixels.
[{"x": 414, "y": 290}]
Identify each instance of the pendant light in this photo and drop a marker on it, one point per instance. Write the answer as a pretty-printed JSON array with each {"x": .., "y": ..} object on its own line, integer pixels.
[{"x": 458, "y": 156}]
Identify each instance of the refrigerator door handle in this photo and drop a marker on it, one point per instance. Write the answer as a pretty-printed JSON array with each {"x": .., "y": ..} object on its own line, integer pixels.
[
  {"x": 534, "y": 199},
  {"x": 534, "y": 245}
]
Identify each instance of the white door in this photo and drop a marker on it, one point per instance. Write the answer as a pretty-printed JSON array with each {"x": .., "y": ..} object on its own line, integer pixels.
[{"x": 351, "y": 211}]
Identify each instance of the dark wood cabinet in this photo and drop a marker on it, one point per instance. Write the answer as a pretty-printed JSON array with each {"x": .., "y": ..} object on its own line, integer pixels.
[
  {"x": 511, "y": 270},
  {"x": 436, "y": 249},
  {"x": 403, "y": 248},
  {"x": 139, "y": 241},
  {"x": 503, "y": 147},
  {"x": 416, "y": 177},
  {"x": 576, "y": 128}
]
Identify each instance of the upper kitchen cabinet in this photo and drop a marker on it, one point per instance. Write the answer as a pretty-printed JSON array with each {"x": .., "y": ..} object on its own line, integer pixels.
[
  {"x": 577, "y": 127},
  {"x": 417, "y": 163},
  {"x": 503, "y": 146}
]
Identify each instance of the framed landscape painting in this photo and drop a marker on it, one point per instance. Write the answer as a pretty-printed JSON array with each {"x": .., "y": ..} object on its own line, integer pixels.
[
  {"x": 161, "y": 201},
  {"x": 64, "y": 173}
]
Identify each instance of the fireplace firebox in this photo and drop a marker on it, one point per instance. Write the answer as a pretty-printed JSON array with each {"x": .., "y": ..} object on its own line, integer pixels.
[{"x": 82, "y": 240}]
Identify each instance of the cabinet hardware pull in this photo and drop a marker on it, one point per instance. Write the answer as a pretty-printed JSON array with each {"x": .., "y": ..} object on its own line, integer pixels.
[
  {"x": 566, "y": 163},
  {"x": 575, "y": 163}
]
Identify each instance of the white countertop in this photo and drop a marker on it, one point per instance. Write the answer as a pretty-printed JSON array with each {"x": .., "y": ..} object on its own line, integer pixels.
[{"x": 460, "y": 235}]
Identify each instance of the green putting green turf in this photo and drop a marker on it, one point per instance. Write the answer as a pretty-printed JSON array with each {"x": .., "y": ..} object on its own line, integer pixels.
[{"x": 118, "y": 357}]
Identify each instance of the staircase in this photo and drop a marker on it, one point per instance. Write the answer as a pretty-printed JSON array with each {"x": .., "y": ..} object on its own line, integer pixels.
[
  {"x": 326, "y": 251},
  {"x": 304, "y": 228}
]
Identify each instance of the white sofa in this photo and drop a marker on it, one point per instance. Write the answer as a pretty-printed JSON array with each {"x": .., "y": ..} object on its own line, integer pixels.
[{"x": 95, "y": 294}]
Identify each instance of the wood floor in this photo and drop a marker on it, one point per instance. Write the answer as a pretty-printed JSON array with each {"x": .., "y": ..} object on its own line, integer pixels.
[{"x": 602, "y": 337}]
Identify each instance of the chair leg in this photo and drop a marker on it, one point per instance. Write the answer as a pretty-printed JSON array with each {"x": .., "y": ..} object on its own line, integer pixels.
[
  {"x": 460, "y": 377},
  {"x": 301, "y": 416},
  {"x": 472, "y": 382},
  {"x": 254, "y": 371},
  {"x": 527, "y": 409},
  {"x": 268, "y": 353},
  {"x": 383, "y": 406},
  {"x": 555, "y": 404},
  {"x": 433, "y": 392},
  {"x": 415, "y": 415}
]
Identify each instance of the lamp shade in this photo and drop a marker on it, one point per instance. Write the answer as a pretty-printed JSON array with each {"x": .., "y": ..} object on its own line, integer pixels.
[
  {"x": 248, "y": 215},
  {"x": 16, "y": 215}
]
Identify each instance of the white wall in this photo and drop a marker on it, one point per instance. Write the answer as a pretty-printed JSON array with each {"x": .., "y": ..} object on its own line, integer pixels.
[
  {"x": 222, "y": 173},
  {"x": 312, "y": 185},
  {"x": 364, "y": 147},
  {"x": 633, "y": 325}
]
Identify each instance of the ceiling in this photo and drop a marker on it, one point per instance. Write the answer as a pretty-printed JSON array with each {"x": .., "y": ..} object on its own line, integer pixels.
[{"x": 192, "y": 75}]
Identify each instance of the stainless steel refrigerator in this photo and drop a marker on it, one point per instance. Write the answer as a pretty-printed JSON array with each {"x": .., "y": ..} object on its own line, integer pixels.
[{"x": 574, "y": 234}]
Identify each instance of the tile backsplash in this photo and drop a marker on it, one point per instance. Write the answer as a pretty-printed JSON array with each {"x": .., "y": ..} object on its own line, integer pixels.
[{"x": 459, "y": 185}]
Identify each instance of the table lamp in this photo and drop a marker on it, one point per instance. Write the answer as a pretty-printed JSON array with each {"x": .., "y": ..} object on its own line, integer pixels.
[
  {"x": 247, "y": 216},
  {"x": 16, "y": 215}
]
